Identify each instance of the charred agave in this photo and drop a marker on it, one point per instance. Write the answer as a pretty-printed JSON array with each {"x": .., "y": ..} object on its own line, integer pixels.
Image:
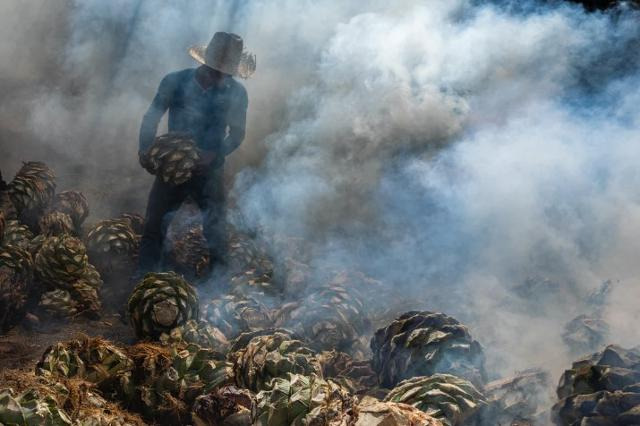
[
  {"x": 160, "y": 303},
  {"x": 173, "y": 158},
  {"x": 604, "y": 386},
  {"x": 269, "y": 356},
  {"x": 61, "y": 260},
  {"x": 13, "y": 297},
  {"x": 17, "y": 234},
  {"x": 228, "y": 405},
  {"x": 372, "y": 412},
  {"x": 17, "y": 259},
  {"x": 33, "y": 188},
  {"x": 3, "y": 224},
  {"x": 91, "y": 359},
  {"x": 234, "y": 314},
  {"x": 331, "y": 317},
  {"x": 136, "y": 222},
  {"x": 72, "y": 282},
  {"x": 305, "y": 400},
  {"x": 112, "y": 245},
  {"x": 199, "y": 333},
  {"x": 518, "y": 399},
  {"x": 190, "y": 253},
  {"x": 254, "y": 281},
  {"x": 56, "y": 223},
  {"x": 452, "y": 400},
  {"x": 423, "y": 344},
  {"x": 74, "y": 204},
  {"x": 245, "y": 254},
  {"x": 166, "y": 381},
  {"x": 29, "y": 399},
  {"x": 585, "y": 333},
  {"x": 31, "y": 408}
]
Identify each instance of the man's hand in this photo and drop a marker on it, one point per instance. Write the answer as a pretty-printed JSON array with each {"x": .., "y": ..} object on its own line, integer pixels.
[
  {"x": 204, "y": 164},
  {"x": 143, "y": 158}
]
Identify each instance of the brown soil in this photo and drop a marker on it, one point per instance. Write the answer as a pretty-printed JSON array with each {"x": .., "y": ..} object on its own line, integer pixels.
[{"x": 23, "y": 345}]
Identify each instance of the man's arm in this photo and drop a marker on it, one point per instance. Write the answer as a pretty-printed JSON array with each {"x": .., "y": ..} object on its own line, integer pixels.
[
  {"x": 154, "y": 114},
  {"x": 237, "y": 121}
]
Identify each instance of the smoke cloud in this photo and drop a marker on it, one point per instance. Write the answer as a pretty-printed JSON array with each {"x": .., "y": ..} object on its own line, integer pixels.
[{"x": 458, "y": 151}]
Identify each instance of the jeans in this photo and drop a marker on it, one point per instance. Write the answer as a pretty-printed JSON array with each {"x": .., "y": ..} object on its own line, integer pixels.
[{"x": 164, "y": 200}]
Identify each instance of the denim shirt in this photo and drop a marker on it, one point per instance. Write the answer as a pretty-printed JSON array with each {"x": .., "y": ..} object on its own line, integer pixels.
[{"x": 214, "y": 117}]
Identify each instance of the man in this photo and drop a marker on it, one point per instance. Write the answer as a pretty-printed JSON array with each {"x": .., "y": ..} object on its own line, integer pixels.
[{"x": 211, "y": 106}]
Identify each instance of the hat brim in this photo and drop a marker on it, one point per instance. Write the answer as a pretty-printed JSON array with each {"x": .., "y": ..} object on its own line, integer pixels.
[{"x": 246, "y": 67}]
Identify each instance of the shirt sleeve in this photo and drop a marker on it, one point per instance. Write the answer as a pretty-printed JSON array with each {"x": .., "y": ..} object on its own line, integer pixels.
[
  {"x": 237, "y": 121},
  {"x": 154, "y": 114}
]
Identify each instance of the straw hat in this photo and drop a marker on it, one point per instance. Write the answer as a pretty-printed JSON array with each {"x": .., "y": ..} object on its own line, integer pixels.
[{"x": 225, "y": 53}]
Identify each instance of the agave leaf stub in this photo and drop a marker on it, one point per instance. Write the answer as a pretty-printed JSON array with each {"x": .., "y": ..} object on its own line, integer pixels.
[{"x": 165, "y": 313}]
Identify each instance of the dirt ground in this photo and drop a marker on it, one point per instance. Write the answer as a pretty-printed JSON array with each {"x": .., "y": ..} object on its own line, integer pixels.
[{"x": 22, "y": 346}]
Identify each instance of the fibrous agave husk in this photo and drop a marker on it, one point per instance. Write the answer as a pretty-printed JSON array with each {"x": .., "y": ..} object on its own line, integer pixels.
[
  {"x": 16, "y": 234},
  {"x": 74, "y": 204},
  {"x": 160, "y": 303},
  {"x": 274, "y": 355},
  {"x": 173, "y": 157},
  {"x": 233, "y": 314},
  {"x": 13, "y": 297},
  {"x": 30, "y": 408},
  {"x": 90, "y": 359},
  {"x": 331, "y": 317},
  {"x": 112, "y": 245},
  {"x": 423, "y": 344},
  {"x": 452, "y": 400},
  {"x": 372, "y": 412},
  {"x": 227, "y": 405},
  {"x": 33, "y": 188},
  {"x": 199, "y": 333},
  {"x": 78, "y": 400},
  {"x": 519, "y": 399},
  {"x": 305, "y": 400},
  {"x": 166, "y": 381},
  {"x": 56, "y": 223},
  {"x": 585, "y": 334}
]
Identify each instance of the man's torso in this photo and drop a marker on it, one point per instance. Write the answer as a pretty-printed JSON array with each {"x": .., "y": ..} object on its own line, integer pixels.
[{"x": 201, "y": 112}]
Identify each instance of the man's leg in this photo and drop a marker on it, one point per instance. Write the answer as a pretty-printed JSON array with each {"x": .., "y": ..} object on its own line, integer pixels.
[
  {"x": 163, "y": 200},
  {"x": 211, "y": 200}
]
